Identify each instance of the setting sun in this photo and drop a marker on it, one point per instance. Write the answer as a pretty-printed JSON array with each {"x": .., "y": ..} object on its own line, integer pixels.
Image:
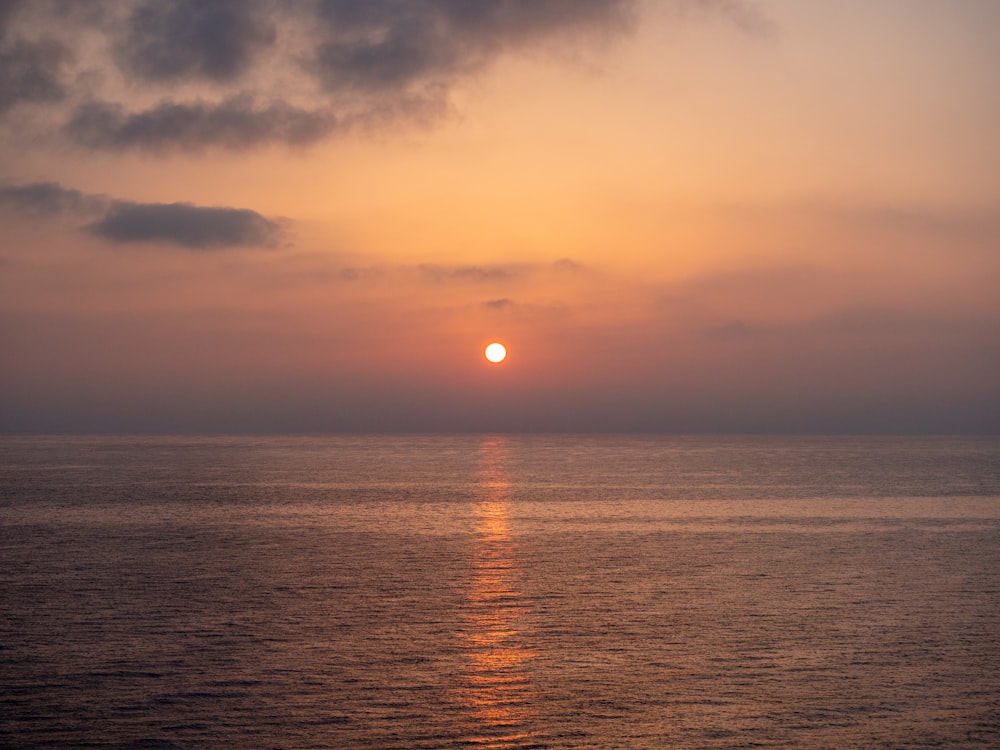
[
  {"x": 747, "y": 254},
  {"x": 496, "y": 353}
]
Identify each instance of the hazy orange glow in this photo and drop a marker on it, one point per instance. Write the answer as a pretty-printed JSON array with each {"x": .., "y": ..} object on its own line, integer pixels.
[{"x": 730, "y": 216}]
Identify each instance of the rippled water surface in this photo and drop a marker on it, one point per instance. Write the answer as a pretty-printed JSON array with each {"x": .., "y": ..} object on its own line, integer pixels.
[{"x": 499, "y": 592}]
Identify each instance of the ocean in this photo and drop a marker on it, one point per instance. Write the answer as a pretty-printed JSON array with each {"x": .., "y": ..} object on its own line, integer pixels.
[{"x": 476, "y": 591}]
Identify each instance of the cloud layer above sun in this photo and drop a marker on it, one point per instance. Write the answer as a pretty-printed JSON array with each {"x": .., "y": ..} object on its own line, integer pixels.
[
  {"x": 166, "y": 75},
  {"x": 121, "y": 222}
]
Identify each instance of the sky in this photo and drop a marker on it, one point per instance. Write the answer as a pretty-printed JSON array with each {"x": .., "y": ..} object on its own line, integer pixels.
[{"x": 715, "y": 216}]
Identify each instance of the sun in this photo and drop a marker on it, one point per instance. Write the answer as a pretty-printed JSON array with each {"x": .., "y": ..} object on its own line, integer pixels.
[{"x": 496, "y": 353}]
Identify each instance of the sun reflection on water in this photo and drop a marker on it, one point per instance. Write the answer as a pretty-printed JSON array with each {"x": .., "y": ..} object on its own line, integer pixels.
[{"x": 496, "y": 689}]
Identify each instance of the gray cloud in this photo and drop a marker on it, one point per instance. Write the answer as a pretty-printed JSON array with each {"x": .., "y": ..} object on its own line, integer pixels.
[
  {"x": 238, "y": 74},
  {"x": 167, "y": 40},
  {"x": 499, "y": 304},
  {"x": 328, "y": 63},
  {"x": 181, "y": 224},
  {"x": 7, "y": 10},
  {"x": 236, "y": 123},
  {"x": 186, "y": 225},
  {"x": 32, "y": 72},
  {"x": 50, "y": 198},
  {"x": 396, "y": 44}
]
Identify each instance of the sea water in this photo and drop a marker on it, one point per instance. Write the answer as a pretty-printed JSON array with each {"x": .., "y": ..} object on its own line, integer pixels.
[{"x": 499, "y": 592}]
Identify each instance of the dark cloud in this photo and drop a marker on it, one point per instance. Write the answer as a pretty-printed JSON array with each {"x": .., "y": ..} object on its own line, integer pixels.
[
  {"x": 237, "y": 123},
  {"x": 7, "y": 10},
  {"x": 171, "y": 40},
  {"x": 31, "y": 72},
  {"x": 182, "y": 224},
  {"x": 237, "y": 74},
  {"x": 186, "y": 225},
  {"x": 49, "y": 198},
  {"x": 499, "y": 304},
  {"x": 385, "y": 45}
]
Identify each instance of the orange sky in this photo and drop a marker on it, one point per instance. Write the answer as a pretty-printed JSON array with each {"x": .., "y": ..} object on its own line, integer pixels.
[{"x": 679, "y": 216}]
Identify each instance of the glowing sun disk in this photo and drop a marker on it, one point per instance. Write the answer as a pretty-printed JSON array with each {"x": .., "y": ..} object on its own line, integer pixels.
[{"x": 496, "y": 353}]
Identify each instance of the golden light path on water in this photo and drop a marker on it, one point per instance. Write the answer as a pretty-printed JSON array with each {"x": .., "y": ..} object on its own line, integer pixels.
[{"x": 496, "y": 689}]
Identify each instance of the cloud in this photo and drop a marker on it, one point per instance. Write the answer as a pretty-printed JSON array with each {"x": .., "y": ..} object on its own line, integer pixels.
[
  {"x": 499, "y": 304},
  {"x": 498, "y": 272},
  {"x": 31, "y": 72},
  {"x": 184, "y": 39},
  {"x": 494, "y": 271},
  {"x": 388, "y": 45},
  {"x": 181, "y": 224},
  {"x": 237, "y": 74},
  {"x": 568, "y": 265},
  {"x": 50, "y": 198},
  {"x": 186, "y": 225},
  {"x": 7, "y": 11},
  {"x": 236, "y": 124}
]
